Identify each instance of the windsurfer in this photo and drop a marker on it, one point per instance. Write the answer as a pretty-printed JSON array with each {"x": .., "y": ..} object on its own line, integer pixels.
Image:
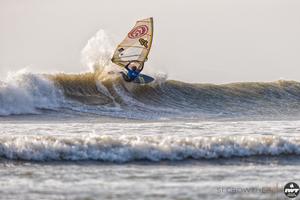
[{"x": 132, "y": 71}]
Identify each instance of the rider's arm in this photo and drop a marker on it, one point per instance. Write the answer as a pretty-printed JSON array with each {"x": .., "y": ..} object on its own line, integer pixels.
[
  {"x": 126, "y": 66},
  {"x": 142, "y": 67}
]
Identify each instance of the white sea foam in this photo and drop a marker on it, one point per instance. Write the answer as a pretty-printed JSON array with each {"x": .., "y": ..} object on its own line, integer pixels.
[
  {"x": 152, "y": 148},
  {"x": 24, "y": 93},
  {"x": 97, "y": 52}
]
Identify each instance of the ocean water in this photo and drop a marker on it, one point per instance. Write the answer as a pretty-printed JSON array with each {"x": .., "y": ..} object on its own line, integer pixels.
[
  {"x": 94, "y": 136},
  {"x": 171, "y": 140}
]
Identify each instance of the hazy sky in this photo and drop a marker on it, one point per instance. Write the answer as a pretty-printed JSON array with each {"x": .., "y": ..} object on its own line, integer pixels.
[{"x": 213, "y": 41}]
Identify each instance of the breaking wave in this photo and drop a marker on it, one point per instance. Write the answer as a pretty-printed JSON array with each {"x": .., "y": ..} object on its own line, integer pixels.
[
  {"x": 150, "y": 148},
  {"x": 26, "y": 93}
]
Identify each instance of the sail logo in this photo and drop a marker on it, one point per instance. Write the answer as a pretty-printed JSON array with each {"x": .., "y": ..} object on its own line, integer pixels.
[
  {"x": 138, "y": 32},
  {"x": 143, "y": 42},
  {"x": 291, "y": 190}
]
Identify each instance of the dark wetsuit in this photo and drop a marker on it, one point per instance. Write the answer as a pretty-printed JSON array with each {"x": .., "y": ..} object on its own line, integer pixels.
[{"x": 131, "y": 74}]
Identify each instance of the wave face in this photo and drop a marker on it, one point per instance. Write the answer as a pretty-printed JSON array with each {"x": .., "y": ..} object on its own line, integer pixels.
[
  {"x": 178, "y": 98},
  {"x": 150, "y": 148}
]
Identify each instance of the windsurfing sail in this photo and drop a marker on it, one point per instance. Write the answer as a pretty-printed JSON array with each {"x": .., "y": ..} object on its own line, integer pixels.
[{"x": 136, "y": 45}]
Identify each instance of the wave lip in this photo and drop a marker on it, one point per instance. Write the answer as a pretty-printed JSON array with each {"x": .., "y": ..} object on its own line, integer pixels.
[{"x": 150, "y": 148}]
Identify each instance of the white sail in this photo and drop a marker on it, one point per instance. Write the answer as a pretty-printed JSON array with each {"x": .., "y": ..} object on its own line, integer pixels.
[{"x": 136, "y": 45}]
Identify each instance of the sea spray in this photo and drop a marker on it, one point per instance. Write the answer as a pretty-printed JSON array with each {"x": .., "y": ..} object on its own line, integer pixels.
[{"x": 97, "y": 52}]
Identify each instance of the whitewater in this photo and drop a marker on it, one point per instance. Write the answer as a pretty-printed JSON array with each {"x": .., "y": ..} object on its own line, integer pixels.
[{"x": 91, "y": 135}]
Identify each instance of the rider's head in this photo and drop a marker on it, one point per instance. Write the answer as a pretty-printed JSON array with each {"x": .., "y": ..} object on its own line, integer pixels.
[{"x": 134, "y": 68}]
